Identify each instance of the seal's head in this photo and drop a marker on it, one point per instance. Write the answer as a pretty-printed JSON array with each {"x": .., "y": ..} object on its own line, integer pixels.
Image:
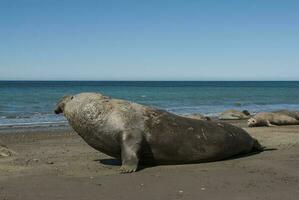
[
  {"x": 246, "y": 112},
  {"x": 61, "y": 104},
  {"x": 252, "y": 122},
  {"x": 208, "y": 118}
]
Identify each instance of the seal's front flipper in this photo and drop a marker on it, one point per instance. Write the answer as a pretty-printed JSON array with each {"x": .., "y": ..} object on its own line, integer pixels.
[
  {"x": 269, "y": 124},
  {"x": 130, "y": 147}
]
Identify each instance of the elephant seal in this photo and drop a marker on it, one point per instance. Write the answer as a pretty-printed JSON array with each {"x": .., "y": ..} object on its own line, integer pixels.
[
  {"x": 138, "y": 134},
  {"x": 288, "y": 113},
  {"x": 234, "y": 114},
  {"x": 198, "y": 116},
  {"x": 271, "y": 119}
]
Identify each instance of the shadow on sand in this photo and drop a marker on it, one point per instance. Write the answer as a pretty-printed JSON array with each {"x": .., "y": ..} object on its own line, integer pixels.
[
  {"x": 109, "y": 161},
  {"x": 117, "y": 162}
]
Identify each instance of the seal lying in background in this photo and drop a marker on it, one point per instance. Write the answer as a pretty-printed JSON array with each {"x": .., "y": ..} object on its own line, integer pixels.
[
  {"x": 271, "y": 119},
  {"x": 288, "y": 113},
  {"x": 198, "y": 116},
  {"x": 234, "y": 114},
  {"x": 139, "y": 134}
]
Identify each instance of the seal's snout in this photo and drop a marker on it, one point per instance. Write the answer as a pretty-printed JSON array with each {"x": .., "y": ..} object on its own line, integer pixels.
[
  {"x": 57, "y": 111},
  {"x": 61, "y": 104},
  {"x": 251, "y": 122}
]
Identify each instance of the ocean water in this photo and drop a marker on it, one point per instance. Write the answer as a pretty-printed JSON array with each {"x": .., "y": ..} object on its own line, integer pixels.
[{"x": 33, "y": 102}]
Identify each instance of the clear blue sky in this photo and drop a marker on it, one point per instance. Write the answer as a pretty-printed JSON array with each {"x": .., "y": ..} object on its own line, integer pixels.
[{"x": 149, "y": 40}]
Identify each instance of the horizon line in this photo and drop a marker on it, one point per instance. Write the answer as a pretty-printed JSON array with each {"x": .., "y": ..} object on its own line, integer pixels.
[{"x": 85, "y": 80}]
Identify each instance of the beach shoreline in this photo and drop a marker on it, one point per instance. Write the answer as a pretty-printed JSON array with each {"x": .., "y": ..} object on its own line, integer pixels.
[
  {"x": 33, "y": 102},
  {"x": 55, "y": 163}
]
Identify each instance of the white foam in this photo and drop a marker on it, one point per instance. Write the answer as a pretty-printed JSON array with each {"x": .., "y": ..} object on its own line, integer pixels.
[{"x": 33, "y": 124}]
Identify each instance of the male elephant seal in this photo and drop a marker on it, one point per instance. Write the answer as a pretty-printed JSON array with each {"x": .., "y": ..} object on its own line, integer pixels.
[
  {"x": 271, "y": 119},
  {"x": 288, "y": 113},
  {"x": 234, "y": 114},
  {"x": 139, "y": 134}
]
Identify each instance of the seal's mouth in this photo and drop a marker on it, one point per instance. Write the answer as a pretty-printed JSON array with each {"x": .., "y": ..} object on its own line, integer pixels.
[{"x": 58, "y": 111}]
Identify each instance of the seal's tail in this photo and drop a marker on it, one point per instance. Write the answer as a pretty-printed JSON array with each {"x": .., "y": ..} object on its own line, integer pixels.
[{"x": 257, "y": 147}]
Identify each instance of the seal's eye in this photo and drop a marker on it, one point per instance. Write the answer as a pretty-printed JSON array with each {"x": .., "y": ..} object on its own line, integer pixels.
[{"x": 72, "y": 97}]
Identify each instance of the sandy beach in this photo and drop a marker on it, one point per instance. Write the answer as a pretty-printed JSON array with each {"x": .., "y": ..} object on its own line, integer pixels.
[{"x": 55, "y": 163}]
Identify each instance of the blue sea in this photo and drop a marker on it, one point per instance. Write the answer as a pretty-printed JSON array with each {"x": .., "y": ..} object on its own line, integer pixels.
[{"x": 33, "y": 102}]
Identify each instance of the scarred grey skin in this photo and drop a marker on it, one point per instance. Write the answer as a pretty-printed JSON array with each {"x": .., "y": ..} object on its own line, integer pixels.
[
  {"x": 288, "y": 113},
  {"x": 139, "y": 134},
  {"x": 271, "y": 119},
  {"x": 234, "y": 115}
]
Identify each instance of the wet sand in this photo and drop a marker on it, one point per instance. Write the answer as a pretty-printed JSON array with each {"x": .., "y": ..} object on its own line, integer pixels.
[{"x": 55, "y": 163}]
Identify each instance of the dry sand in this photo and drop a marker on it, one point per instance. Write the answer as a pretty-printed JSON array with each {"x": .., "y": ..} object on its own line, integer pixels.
[{"x": 55, "y": 163}]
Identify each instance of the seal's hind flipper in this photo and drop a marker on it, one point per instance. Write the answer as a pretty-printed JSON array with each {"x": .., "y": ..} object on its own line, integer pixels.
[{"x": 257, "y": 147}]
